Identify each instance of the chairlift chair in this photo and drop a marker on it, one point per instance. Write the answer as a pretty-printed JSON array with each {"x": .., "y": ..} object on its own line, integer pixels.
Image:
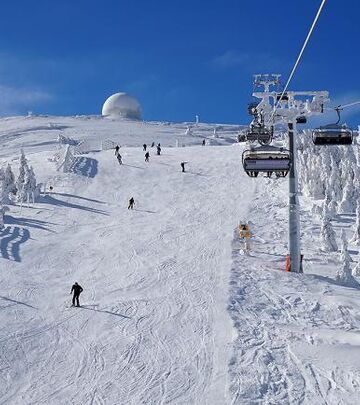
[
  {"x": 260, "y": 134},
  {"x": 268, "y": 160},
  {"x": 333, "y": 134}
]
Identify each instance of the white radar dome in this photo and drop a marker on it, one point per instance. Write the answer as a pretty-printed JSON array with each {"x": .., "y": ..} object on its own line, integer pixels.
[{"x": 121, "y": 105}]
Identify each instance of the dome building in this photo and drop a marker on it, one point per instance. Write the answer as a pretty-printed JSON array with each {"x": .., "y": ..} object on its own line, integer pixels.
[{"x": 121, "y": 105}]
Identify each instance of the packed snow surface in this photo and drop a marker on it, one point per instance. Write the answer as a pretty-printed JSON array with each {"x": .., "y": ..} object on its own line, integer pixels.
[{"x": 173, "y": 311}]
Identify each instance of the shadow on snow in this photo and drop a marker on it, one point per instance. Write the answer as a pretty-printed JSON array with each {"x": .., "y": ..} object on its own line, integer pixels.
[
  {"x": 49, "y": 199},
  {"x": 10, "y": 240},
  {"x": 85, "y": 166}
]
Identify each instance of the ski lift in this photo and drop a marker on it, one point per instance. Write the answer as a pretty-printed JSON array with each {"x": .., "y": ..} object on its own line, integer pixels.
[
  {"x": 260, "y": 134},
  {"x": 268, "y": 160},
  {"x": 333, "y": 134}
]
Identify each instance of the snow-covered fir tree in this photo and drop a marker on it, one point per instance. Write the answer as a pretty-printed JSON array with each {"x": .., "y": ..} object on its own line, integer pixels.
[
  {"x": 347, "y": 204},
  {"x": 344, "y": 273},
  {"x": 335, "y": 181},
  {"x": 356, "y": 270},
  {"x": 29, "y": 190},
  {"x": 3, "y": 209},
  {"x": 356, "y": 236},
  {"x": 327, "y": 235},
  {"x": 26, "y": 182},
  {"x": 345, "y": 256},
  {"x": 8, "y": 187},
  {"x": 22, "y": 170}
]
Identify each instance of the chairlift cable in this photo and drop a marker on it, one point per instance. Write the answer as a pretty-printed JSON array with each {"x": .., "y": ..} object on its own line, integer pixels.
[
  {"x": 349, "y": 105},
  {"x": 300, "y": 56}
]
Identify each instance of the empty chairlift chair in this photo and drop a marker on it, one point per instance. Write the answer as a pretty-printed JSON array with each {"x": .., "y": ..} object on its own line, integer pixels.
[
  {"x": 259, "y": 133},
  {"x": 267, "y": 160},
  {"x": 333, "y": 134}
]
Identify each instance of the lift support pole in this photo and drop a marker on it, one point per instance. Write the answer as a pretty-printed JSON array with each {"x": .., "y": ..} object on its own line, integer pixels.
[{"x": 294, "y": 218}]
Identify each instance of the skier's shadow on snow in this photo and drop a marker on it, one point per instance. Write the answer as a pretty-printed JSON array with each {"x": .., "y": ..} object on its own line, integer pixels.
[
  {"x": 10, "y": 240},
  {"x": 85, "y": 166},
  {"x": 148, "y": 211},
  {"x": 88, "y": 307}
]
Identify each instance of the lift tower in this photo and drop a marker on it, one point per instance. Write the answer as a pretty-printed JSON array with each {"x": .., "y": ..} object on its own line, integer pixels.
[{"x": 288, "y": 108}]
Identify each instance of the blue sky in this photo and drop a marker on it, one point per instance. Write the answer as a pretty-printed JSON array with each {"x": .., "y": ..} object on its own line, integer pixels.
[{"x": 179, "y": 58}]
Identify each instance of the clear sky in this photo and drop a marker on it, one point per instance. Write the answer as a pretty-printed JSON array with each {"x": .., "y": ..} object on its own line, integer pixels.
[{"x": 179, "y": 58}]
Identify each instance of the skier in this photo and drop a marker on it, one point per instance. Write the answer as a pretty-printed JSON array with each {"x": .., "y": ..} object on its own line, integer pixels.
[
  {"x": 117, "y": 147},
  {"x": 182, "y": 164},
  {"x": 147, "y": 155},
  {"x": 119, "y": 158},
  {"x": 144, "y": 147},
  {"x": 131, "y": 203},
  {"x": 77, "y": 291},
  {"x": 158, "y": 149},
  {"x": 153, "y": 144},
  {"x": 203, "y": 142}
]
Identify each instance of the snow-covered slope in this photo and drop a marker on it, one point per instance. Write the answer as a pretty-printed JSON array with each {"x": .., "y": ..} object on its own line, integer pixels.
[{"x": 172, "y": 312}]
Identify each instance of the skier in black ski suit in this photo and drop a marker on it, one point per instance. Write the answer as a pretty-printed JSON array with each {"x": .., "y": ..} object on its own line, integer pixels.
[
  {"x": 117, "y": 147},
  {"x": 77, "y": 289},
  {"x": 144, "y": 147},
  {"x": 158, "y": 150},
  {"x": 131, "y": 203},
  {"x": 147, "y": 155}
]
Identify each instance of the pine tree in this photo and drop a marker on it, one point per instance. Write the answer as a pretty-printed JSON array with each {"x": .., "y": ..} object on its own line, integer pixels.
[
  {"x": 347, "y": 203},
  {"x": 356, "y": 270},
  {"x": 328, "y": 236},
  {"x": 8, "y": 189},
  {"x": 335, "y": 181},
  {"x": 22, "y": 172},
  {"x": 356, "y": 237},
  {"x": 344, "y": 274},
  {"x": 345, "y": 256},
  {"x": 3, "y": 209}
]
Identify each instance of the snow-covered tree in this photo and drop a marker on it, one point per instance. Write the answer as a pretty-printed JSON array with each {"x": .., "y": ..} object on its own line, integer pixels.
[
  {"x": 26, "y": 182},
  {"x": 327, "y": 235},
  {"x": 29, "y": 191},
  {"x": 356, "y": 237},
  {"x": 344, "y": 274},
  {"x": 330, "y": 203},
  {"x": 8, "y": 187},
  {"x": 334, "y": 183},
  {"x": 188, "y": 131},
  {"x": 345, "y": 256},
  {"x": 3, "y": 209},
  {"x": 356, "y": 270},
  {"x": 22, "y": 170},
  {"x": 347, "y": 203}
]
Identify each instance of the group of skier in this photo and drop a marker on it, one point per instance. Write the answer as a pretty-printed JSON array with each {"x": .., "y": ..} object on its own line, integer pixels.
[{"x": 147, "y": 154}]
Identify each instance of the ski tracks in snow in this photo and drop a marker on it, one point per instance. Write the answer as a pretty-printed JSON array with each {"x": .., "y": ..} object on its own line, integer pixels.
[{"x": 277, "y": 357}]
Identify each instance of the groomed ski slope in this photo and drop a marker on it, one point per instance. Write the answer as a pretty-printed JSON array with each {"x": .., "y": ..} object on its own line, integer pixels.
[{"x": 172, "y": 313}]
